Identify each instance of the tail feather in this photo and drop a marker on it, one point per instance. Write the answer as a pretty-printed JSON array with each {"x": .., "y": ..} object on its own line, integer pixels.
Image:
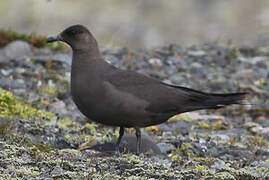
[
  {"x": 202, "y": 100},
  {"x": 220, "y": 100}
]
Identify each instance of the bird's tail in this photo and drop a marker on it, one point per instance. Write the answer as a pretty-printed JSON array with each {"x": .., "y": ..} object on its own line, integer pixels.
[
  {"x": 220, "y": 100},
  {"x": 201, "y": 100}
]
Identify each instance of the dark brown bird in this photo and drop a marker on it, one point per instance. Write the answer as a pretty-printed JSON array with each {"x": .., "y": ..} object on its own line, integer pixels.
[{"x": 116, "y": 97}]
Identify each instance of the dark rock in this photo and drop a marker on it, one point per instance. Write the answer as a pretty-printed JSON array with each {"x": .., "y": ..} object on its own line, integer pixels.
[
  {"x": 113, "y": 60},
  {"x": 128, "y": 144},
  {"x": 57, "y": 172},
  {"x": 11, "y": 84},
  {"x": 63, "y": 143},
  {"x": 58, "y": 107},
  {"x": 197, "y": 69},
  {"x": 166, "y": 147},
  {"x": 176, "y": 78}
]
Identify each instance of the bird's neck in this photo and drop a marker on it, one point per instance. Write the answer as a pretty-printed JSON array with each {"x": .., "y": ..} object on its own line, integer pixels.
[
  {"x": 89, "y": 51},
  {"x": 85, "y": 56},
  {"x": 88, "y": 60}
]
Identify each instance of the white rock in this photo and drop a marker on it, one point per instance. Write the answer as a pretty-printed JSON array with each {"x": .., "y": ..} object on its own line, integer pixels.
[
  {"x": 155, "y": 62},
  {"x": 196, "y": 53},
  {"x": 17, "y": 50}
]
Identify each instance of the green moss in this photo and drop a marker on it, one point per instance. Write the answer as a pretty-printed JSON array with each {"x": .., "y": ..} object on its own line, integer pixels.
[
  {"x": 262, "y": 82},
  {"x": 23, "y": 171},
  {"x": 185, "y": 146},
  {"x": 10, "y": 107},
  {"x": 108, "y": 135},
  {"x": 220, "y": 125},
  {"x": 7, "y": 36},
  {"x": 204, "y": 125},
  {"x": 49, "y": 90},
  {"x": 200, "y": 159},
  {"x": 38, "y": 146},
  {"x": 200, "y": 167},
  {"x": 204, "y": 135},
  {"x": 184, "y": 117},
  {"x": 234, "y": 53},
  {"x": 258, "y": 141},
  {"x": 66, "y": 123},
  {"x": 224, "y": 176},
  {"x": 44, "y": 101},
  {"x": 5, "y": 176},
  {"x": 175, "y": 158},
  {"x": 89, "y": 128}
]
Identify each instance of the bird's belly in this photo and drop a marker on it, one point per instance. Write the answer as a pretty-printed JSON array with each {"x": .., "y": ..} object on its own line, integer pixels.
[
  {"x": 112, "y": 113},
  {"x": 115, "y": 116}
]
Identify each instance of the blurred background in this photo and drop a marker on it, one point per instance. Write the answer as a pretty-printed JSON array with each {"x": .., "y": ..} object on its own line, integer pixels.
[{"x": 144, "y": 23}]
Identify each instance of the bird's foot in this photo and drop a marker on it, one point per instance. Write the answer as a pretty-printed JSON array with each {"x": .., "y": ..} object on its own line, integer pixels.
[
  {"x": 138, "y": 141},
  {"x": 117, "y": 148},
  {"x": 117, "y": 151},
  {"x": 119, "y": 140}
]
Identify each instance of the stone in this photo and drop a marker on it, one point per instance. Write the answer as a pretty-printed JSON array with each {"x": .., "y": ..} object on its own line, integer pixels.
[
  {"x": 58, "y": 107},
  {"x": 176, "y": 78},
  {"x": 220, "y": 138},
  {"x": 128, "y": 144},
  {"x": 17, "y": 50},
  {"x": 57, "y": 172},
  {"x": 155, "y": 62},
  {"x": 165, "y": 147},
  {"x": 11, "y": 84},
  {"x": 197, "y": 53}
]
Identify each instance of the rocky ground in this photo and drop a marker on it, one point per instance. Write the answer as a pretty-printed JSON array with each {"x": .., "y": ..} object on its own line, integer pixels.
[{"x": 44, "y": 136}]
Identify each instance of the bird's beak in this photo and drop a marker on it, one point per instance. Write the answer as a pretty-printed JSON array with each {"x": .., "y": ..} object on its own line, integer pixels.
[{"x": 54, "y": 38}]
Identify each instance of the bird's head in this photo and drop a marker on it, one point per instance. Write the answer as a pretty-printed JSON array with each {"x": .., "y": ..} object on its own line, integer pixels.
[{"x": 77, "y": 36}]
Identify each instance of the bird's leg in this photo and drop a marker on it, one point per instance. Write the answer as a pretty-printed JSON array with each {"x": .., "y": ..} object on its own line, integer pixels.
[
  {"x": 138, "y": 140},
  {"x": 119, "y": 139}
]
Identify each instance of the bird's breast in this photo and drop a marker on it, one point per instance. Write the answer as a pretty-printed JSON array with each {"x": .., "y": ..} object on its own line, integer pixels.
[{"x": 85, "y": 90}]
